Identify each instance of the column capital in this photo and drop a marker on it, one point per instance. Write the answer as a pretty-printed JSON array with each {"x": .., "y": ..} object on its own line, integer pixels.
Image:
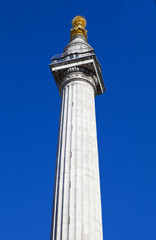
[
  {"x": 77, "y": 74},
  {"x": 85, "y": 62}
]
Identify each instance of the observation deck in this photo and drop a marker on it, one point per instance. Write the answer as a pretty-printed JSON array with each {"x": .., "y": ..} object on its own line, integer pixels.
[{"x": 86, "y": 60}]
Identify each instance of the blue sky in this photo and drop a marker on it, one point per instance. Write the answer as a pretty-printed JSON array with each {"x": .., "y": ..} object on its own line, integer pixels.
[{"x": 123, "y": 34}]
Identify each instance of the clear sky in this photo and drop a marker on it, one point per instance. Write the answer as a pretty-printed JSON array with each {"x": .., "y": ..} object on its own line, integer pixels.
[{"x": 123, "y": 34}]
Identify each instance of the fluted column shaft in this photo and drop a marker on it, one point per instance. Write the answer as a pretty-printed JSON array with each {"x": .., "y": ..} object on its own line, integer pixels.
[{"x": 77, "y": 200}]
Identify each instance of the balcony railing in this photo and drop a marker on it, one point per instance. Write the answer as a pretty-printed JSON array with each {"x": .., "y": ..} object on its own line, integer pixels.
[{"x": 67, "y": 57}]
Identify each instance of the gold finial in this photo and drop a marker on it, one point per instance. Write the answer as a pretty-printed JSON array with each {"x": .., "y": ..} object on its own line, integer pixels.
[{"x": 79, "y": 24}]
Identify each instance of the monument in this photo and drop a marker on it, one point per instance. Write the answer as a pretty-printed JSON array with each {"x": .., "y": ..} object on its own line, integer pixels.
[{"x": 77, "y": 199}]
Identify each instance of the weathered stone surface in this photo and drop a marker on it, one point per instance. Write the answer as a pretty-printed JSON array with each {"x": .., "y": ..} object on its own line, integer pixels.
[{"x": 77, "y": 200}]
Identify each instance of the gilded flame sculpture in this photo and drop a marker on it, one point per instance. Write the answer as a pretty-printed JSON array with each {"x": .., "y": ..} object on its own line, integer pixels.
[{"x": 79, "y": 24}]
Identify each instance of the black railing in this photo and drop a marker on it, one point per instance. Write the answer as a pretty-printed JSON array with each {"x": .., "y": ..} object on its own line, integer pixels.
[{"x": 66, "y": 57}]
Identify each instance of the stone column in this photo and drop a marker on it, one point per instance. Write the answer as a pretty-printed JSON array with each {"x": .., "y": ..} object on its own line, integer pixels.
[{"x": 77, "y": 200}]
